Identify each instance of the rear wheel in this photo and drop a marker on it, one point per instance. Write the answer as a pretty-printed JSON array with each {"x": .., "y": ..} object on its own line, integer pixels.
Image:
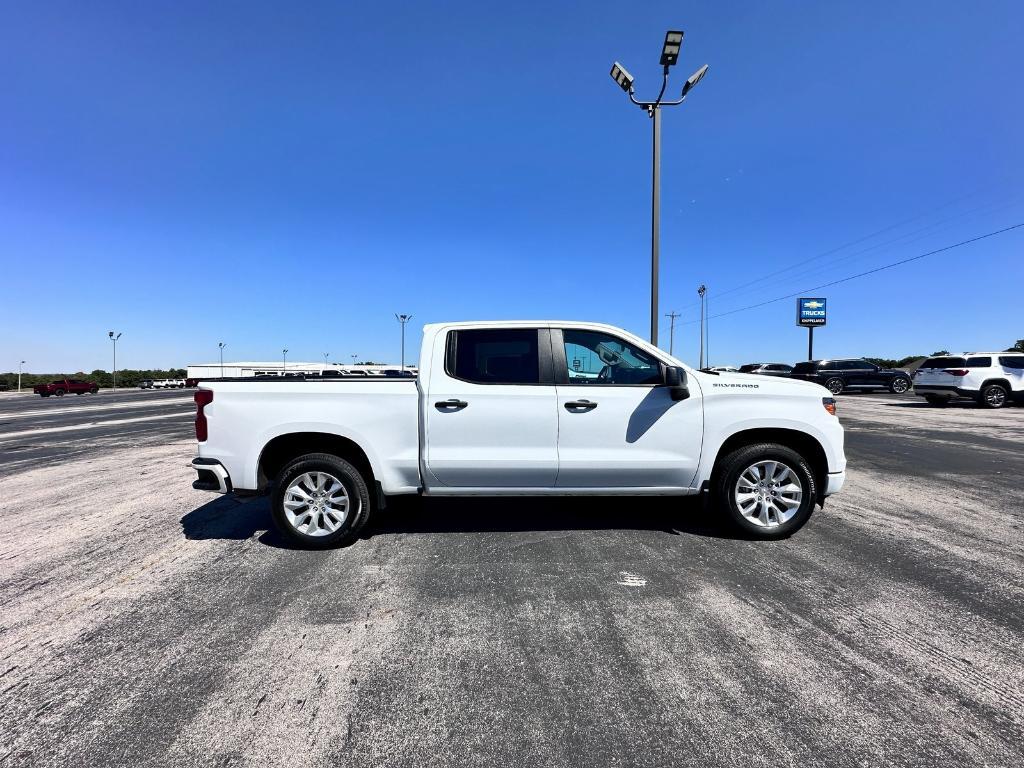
[
  {"x": 94, "y": 391},
  {"x": 59, "y": 393},
  {"x": 766, "y": 490},
  {"x": 320, "y": 501},
  {"x": 993, "y": 396},
  {"x": 899, "y": 385},
  {"x": 937, "y": 400},
  {"x": 834, "y": 385}
]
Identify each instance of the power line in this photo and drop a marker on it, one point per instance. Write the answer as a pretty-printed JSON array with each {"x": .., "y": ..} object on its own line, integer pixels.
[
  {"x": 882, "y": 245},
  {"x": 867, "y": 272}
]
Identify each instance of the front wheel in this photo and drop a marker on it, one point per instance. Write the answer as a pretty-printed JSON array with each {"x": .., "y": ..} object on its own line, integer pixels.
[
  {"x": 320, "y": 501},
  {"x": 94, "y": 391},
  {"x": 834, "y": 385},
  {"x": 993, "y": 396},
  {"x": 766, "y": 490},
  {"x": 899, "y": 385},
  {"x": 59, "y": 393}
]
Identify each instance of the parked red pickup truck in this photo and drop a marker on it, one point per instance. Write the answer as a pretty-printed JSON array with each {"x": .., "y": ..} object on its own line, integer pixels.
[{"x": 62, "y": 387}]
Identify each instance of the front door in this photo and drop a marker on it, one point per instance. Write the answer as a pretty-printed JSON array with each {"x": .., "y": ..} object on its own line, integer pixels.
[
  {"x": 617, "y": 425},
  {"x": 490, "y": 411}
]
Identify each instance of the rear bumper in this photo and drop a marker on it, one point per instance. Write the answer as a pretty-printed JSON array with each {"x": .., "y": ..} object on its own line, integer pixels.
[
  {"x": 946, "y": 390},
  {"x": 834, "y": 483},
  {"x": 212, "y": 475}
]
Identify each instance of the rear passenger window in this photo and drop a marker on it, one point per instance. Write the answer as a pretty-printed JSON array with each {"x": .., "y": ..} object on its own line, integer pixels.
[
  {"x": 494, "y": 356},
  {"x": 1012, "y": 361},
  {"x": 944, "y": 362},
  {"x": 979, "y": 362}
]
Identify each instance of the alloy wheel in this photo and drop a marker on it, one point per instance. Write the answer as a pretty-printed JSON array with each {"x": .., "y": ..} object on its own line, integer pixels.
[
  {"x": 768, "y": 493},
  {"x": 316, "y": 503}
]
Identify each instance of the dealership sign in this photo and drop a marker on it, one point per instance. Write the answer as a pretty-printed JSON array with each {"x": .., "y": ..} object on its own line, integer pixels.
[{"x": 810, "y": 312}]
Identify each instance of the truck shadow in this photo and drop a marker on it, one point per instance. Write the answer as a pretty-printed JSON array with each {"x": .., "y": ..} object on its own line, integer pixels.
[{"x": 230, "y": 519}]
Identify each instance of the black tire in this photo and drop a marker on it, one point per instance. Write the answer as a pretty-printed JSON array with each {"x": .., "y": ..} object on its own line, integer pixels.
[
  {"x": 994, "y": 396},
  {"x": 44, "y": 394},
  {"x": 894, "y": 385},
  {"x": 58, "y": 393},
  {"x": 937, "y": 400},
  {"x": 94, "y": 391},
  {"x": 728, "y": 472},
  {"x": 355, "y": 486},
  {"x": 835, "y": 385}
]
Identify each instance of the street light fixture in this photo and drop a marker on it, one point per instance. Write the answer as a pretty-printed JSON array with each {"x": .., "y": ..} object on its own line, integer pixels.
[
  {"x": 670, "y": 50},
  {"x": 19, "y": 374},
  {"x": 622, "y": 77},
  {"x": 284, "y": 362},
  {"x": 669, "y": 57},
  {"x": 113, "y": 338},
  {"x": 403, "y": 319},
  {"x": 221, "y": 346}
]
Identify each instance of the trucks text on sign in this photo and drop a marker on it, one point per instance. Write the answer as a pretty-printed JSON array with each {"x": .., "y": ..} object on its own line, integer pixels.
[{"x": 810, "y": 312}]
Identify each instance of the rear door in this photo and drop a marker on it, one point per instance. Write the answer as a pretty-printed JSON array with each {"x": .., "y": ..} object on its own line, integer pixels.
[
  {"x": 490, "y": 410},
  {"x": 617, "y": 425},
  {"x": 1013, "y": 371}
]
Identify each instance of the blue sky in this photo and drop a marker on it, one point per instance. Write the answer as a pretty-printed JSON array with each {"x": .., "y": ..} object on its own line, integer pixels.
[{"x": 291, "y": 174}]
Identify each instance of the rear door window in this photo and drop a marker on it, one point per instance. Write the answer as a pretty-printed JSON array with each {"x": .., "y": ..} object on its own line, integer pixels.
[
  {"x": 494, "y": 356},
  {"x": 804, "y": 368},
  {"x": 979, "y": 362}
]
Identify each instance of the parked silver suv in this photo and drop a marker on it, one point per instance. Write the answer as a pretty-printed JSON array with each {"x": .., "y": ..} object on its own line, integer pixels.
[{"x": 991, "y": 378}]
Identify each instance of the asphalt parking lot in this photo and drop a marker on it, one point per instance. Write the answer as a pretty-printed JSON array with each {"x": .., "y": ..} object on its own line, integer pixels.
[{"x": 145, "y": 623}]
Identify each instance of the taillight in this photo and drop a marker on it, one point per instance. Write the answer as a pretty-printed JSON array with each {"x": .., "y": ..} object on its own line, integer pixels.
[
  {"x": 203, "y": 397},
  {"x": 957, "y": 371},
  {"x": 830, "y": 404}
]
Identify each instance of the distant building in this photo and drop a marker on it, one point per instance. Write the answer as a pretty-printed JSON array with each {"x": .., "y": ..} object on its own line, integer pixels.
[{"x": 241, "y": 370}]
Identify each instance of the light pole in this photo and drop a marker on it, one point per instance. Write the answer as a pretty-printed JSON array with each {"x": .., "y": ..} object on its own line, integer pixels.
[
  {"x": 284, "y": 361},
  {"x": 701, "y": 290},
  {"x": 403, "y": 319},
  {"x": 19, "y": 374},
  {"x": 354, "y": 359},
  {"x": 326, "y": 355},
  {"x": 220, "y": 346},
  {"x": 669, "y": 56},
  {"x": 114, "y": 339}
]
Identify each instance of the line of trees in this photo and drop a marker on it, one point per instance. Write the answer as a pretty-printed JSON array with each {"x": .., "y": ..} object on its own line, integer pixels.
[
  {"x": 127, "y": 378},
  {"x": 886, "y": 362}
]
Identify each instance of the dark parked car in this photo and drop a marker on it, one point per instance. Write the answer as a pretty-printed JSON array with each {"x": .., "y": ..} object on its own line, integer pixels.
[
  {"x": 62, "y": 387},
  {"x": 767, "y": 369},
  {"x": 840, "y": 375}
]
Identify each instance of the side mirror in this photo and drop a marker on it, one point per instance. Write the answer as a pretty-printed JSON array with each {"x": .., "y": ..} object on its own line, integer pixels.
[{"x": 675, "y": 380}]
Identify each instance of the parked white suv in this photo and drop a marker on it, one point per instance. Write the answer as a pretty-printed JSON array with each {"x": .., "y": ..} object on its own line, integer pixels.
[{"x": 990, "y": 378}]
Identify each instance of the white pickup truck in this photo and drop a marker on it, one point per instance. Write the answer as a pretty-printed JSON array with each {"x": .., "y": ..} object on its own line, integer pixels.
[{"x": 522, "y": 408}]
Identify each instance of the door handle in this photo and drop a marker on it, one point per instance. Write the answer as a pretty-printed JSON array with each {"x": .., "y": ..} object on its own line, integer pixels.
[
  {"x": 580, "y": 405},
  {"x": 453, "y": 404}
]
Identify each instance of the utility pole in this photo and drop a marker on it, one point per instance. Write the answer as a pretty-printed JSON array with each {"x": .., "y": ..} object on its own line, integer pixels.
[
  {"x": 701, "y": 290},
  {"x": 19, "y": 374},
  {"x": 114, "y": 339},
  {"x": 284, "y": 361},
  {"x": 403, "y": 319},
  {"x": 221, "y": 345},
  {"x": 669, "y": 56},
  {"x": 707, "y": 329},
  {"x": 672, "y": 330}
]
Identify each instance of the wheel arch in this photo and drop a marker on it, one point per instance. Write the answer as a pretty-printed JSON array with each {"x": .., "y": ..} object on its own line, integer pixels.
[
  {"x": 803, "y": 443},
  {"x": 285, "y": 448}
]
